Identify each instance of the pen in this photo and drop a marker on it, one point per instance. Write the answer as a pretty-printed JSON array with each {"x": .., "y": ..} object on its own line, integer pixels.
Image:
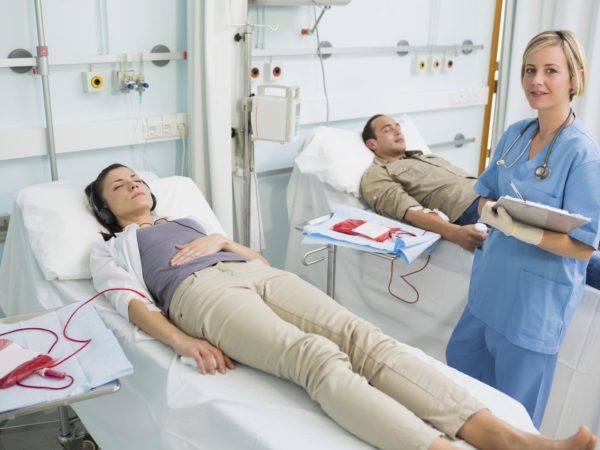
[{"x": 515, "y": 190}]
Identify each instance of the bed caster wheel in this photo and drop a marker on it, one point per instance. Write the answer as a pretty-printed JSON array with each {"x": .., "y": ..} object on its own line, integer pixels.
[
  {"x": 88, "y": 443},
  {"x": 83, "y": 442}
]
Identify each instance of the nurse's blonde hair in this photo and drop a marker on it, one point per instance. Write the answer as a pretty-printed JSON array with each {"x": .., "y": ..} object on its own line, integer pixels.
[{"x": 573, "y": 51}]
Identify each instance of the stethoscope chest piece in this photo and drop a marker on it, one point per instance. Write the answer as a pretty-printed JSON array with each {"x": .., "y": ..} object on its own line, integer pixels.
[{"x": 542, "y": 172}]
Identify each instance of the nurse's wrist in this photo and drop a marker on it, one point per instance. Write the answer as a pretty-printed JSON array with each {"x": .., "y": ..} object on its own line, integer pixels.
[{"x": 527, "y": 233}]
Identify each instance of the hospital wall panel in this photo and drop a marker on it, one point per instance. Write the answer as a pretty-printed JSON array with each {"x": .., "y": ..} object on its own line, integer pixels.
[{"x": 83, "y": 29}]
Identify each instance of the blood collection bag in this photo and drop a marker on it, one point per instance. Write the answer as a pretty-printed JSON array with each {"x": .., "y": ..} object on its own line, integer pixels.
[
  {"x": 17, "y": 363},
  {"x": 358, "y": 227}
]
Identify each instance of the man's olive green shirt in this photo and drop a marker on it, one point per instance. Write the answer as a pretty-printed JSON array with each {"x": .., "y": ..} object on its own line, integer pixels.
[{"x": 391, "y": 187}]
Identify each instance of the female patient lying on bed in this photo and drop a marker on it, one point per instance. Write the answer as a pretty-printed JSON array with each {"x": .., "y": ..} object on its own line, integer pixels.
[{"x": 211, "y": 299}]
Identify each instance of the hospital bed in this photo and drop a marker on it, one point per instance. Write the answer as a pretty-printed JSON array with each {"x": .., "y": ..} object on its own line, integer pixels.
[
  {"x": 327, "y": 172},
  {"x": 165, "y": 404}
]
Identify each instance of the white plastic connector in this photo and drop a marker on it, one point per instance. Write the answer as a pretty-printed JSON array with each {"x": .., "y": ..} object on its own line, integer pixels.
[{"x": 435, "y": 64}]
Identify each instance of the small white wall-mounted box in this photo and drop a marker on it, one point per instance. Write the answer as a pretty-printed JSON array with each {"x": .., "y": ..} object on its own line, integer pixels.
[
  {"x": 93, "y": 81},
  {"x": 276, "y": 117}
]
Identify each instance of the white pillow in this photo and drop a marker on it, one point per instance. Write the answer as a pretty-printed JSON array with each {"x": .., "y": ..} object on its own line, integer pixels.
[
  {"x": 339, "y": 157},
  {"x": 62, "y": 229}
]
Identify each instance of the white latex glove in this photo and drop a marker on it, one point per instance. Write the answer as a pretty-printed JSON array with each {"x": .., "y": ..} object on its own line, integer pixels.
[{"x": 503, "y": 222}]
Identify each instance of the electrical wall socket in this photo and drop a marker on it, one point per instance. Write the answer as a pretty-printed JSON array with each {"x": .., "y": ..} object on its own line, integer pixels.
[
  {"x": 165, "y": 127},
  {"x": 4, "y": 220},
  {"x": 462, "y": 97}
]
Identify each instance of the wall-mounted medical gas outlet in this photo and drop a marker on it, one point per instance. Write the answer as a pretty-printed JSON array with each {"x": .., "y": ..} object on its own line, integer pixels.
[
  {"x": 419, "y": 64},
  {"x": 4, "y": 219},
  {"x": 255, "y": 73},
  {"x": 273, "y": 71},
  {"x": 447, "y": 64},
  {"x": 93, "y": 81},
  {"x": 126, "y": 81}
]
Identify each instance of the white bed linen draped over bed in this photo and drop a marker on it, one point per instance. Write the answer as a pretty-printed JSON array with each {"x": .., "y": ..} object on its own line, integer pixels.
[
  {"x": 524, "y": 20},
  {"x": 212, "y": 71},
  {"x": 166, "y": 405},
  {"x": 361, "y": 286}
]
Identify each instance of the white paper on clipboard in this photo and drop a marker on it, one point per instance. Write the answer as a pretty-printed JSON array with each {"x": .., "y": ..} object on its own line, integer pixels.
[{"x": 540, "y": 215}]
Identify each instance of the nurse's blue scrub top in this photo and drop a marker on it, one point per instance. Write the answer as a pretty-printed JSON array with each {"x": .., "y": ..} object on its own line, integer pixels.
[{"x": 523, "y": 292}]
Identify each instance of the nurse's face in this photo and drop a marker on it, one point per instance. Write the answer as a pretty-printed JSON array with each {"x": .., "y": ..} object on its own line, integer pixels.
[{"x": 546, "y": 81}]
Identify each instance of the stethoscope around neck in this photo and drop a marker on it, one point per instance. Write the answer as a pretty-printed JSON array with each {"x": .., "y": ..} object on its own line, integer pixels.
[{"x": 542, "y": 171}]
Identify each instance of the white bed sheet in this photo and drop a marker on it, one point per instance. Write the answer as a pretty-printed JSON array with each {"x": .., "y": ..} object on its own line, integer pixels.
[
  {"x": 167, "y": 405},
  {"x": 361, "y": 286}
]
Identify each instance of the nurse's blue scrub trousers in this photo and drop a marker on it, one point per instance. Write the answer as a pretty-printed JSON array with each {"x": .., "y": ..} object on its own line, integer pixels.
[{"x": 525, "y": 375}]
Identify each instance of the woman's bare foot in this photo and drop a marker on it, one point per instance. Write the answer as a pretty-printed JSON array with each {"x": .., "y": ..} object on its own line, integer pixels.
[
  {"x": 582, "y": 440},
  {"x": 487, "y": 432}
]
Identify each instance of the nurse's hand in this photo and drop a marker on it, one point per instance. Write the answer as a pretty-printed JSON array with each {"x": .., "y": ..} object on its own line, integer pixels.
[
  {"x": 209, "y": 358},
  {"x": 505, "y": 223},
  {"x": 204, "y": 246}
]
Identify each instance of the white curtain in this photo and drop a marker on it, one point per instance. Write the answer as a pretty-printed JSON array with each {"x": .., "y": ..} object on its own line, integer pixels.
[
  {"x": 526, "y": 18},
  {"x": 213, "y": 79}
]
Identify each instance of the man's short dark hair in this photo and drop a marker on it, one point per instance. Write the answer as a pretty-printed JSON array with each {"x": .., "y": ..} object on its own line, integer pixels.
[{"x": 368, "y": 132}]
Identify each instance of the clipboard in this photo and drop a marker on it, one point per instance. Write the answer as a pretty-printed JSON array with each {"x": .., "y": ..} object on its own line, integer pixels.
[{"x": 540, "y": 215}]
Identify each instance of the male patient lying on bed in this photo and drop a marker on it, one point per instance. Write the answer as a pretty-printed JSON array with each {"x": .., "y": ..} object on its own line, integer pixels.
[
  {"x": 401, "y": 183},
  {"x": 213, "y": 299}
]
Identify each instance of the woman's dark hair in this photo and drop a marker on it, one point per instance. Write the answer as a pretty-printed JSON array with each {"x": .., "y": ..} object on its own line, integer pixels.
[
  {"x": 368, "y": 132},
  {"x": 107, "y": 219}
]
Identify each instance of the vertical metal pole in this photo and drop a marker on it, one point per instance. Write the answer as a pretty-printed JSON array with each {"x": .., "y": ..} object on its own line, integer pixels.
[
  {"x": 65, "y": 425},
  {"x": 248, "y": 156},
  {"x": 42, "y": 66},
  {"x": 331, "y": 257}
]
